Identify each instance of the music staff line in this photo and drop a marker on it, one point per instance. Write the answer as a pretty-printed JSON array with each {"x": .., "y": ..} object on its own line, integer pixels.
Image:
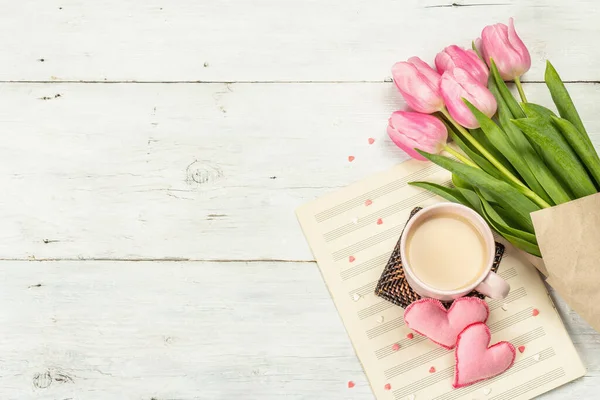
[
  {"x": 446, "y": 373},
  {"x": 440, "y": 352},
  {"x": 375, "y": 193},
  {"x": 404, "y": 343}
]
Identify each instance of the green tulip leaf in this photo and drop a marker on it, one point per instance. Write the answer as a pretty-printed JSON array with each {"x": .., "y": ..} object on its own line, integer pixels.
[
  {"x": 533, "y": 110},
  {"x": 563, "y": 101},
  {"x": 506, "y": 195},
  {"x": 548, "y": 181},
  {"x": 473, "y": 154},
  {"x": 447, "y": 193},
  {"x": 558, "y": 154},
  {"x": 509, "y": 99},
  {"x": 528, "y": 163},
  {"x": 468, "y": 191},
  {"x": 523, "y": 245},
  {"x": 480, "y": 136},
  {"x": 501, "y": 141},
  {"x": 584, "y": 149},
  {"x": 502, "y": 225},
  {"x": 510, "y": 221},
  {"x": 460, "y": 183},
  {"x": 520, "y": 239},
  {"x": 473, "y": 199}
]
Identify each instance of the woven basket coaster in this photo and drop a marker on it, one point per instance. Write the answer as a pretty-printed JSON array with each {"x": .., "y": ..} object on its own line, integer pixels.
[{"x": 393, "y": 286}]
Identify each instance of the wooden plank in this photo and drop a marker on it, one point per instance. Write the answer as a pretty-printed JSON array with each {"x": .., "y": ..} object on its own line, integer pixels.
[
  {"x": 100, "y": 330},
  {"x": 206, "y": 171},
  {"x": 587, "y": 342},
  {"x": 184, "y": 330},
  {"x": 271, "y": 40}
]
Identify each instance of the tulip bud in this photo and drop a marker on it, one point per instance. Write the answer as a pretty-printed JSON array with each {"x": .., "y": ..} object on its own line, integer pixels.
[
  {"x": 458, "y": 84},
  {"x": 411, "y": 130},
  {"x": 503, "y": 45},
  {"x": 478, "y": 47},
  {"x": 419, "y": 85},
  {"x": 455, "y": 57}
]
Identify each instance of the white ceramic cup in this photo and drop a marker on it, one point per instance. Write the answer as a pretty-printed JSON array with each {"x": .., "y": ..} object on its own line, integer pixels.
[{"x": 488, "y": 283}]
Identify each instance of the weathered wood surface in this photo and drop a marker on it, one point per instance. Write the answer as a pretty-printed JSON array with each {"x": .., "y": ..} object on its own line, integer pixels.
[
  {"x": 207, "y": 174},
  {"x": 271, "y": 40},
  {"x": 190, "y": 171},
  {"x": 171, "y": 330},
  {"x": 100, "y": 330}
]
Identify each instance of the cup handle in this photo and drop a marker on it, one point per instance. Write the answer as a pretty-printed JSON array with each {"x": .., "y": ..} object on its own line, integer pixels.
[{"x": 493, "y": 286}]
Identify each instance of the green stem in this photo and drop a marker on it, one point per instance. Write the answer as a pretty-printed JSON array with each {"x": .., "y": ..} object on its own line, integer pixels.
[
  {"x": 519, "y": 185},
  {"x": 534, "y": 197},
  {"x": 482, "y": 149},
  {"x": 462, "y": 158},
  {"x": 520, "y": 89}
]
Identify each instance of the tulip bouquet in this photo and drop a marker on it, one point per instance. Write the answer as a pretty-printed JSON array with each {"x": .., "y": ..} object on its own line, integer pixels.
[{"x": 509, "y": 158}]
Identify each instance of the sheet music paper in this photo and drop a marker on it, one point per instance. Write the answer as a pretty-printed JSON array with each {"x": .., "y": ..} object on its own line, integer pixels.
[{"x": 352, "y": 248}]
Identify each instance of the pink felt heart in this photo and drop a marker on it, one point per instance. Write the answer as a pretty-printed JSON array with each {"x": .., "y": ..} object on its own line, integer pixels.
[
  {"x": 429, "y": 318},
  {"x": 475, "y": 361}
]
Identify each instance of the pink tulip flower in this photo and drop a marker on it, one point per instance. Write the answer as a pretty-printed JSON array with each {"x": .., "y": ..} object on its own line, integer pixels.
[
  {"x": 503, "y": 45},
  {"x": 419, "y": 85},
  {"x": 455, "y": 57},
  {"x": 411, "y": 130},
  {"x": 479, "y": 47},
  {"x": 458, "y": 84}
]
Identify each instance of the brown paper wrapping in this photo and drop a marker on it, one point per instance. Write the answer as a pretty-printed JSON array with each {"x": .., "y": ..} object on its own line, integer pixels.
[{"x": 569, "y": 240}]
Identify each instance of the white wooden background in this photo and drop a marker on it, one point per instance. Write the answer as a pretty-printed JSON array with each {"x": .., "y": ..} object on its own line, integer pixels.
[{"x": 153, "y": 153}]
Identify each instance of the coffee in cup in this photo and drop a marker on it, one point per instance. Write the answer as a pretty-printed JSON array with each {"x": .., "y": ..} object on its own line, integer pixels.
[{"x": 447, "y": 251}]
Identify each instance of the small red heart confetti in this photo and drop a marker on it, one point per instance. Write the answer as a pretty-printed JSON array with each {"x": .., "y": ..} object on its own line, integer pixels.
[
  {"x": 379, "y": 221},
  {"x": 535, "y": 312},
  {"x": 395, "y": 347},
  {"x": 521, "y": 348},
  {"x": 368, "y": 202},
  {"x": 431, "y": 370},
  {"x": 410, "y": 336},
  {"x": 371, "y": 140},
  {"x": 350, "y": 158},
  {"x": 351, "y": 259},
  {"x": 387, "y": 386},
  {"x": 351, "y": 384}
]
